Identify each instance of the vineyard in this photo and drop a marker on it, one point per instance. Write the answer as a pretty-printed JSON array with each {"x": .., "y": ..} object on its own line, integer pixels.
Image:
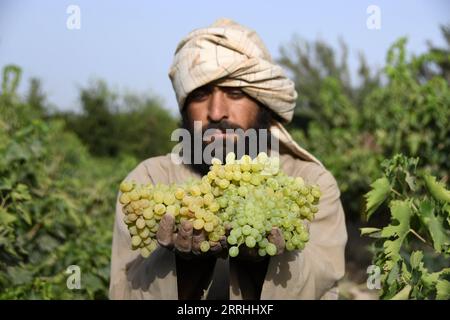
[{"x": 387, "y": 142}]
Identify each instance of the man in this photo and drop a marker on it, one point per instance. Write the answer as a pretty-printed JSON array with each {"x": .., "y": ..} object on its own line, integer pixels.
[{"x": 224, "y": 77}]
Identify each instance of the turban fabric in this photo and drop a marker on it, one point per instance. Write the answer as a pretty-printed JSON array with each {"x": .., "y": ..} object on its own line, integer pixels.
[{"x": 234, "y": 56}]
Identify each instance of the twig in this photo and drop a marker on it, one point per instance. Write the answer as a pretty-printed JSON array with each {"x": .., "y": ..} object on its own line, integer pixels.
[
  {"x": 397, "y": 193},
  {"x": 418, "y": 236}
]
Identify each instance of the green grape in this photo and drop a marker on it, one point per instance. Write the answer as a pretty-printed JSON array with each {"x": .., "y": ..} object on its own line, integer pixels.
[
  {"x": 150, "y": 223},
  {"x": 159, "y": 209},
  {"x": 213, "y": 236},
  {"x": 148, "y": 213},
  {"x": 145, "y": 253},
  {"x": 208, "y": 226},
  {"x": 136, "y": 241},
  {"x": 144, "y": 233},
  {"x": 304, "y": 236},
  {"x": 237, "y": 175},
  {"x": 263, "y": 243},
  {"x": 290, "y": 246},
  {"x": 204, "y": 246},
  {"x": 232, "y": 239},
  {"x": 198, "y": 224},
  {"x": 140, "y": 223},
  {"x": 242, "y": 222},
  {"x": 250, "y": 242},
  {"x": 246, "y": 230},
  {"x": 124, "y": 198},
  {"x": 132, "y": 217},
  {"x": 134, "y": 195},
  {"x": 222, "y": 202},
  {"x": 144, "y": 203},
  {"x": 262, "y": 252},
  {"x": 233, "y": 251},
  {"x": 236, "y": 232},
  {"x": 296, "y": 240},
  {"x": 304, "y": 190},
  {"x": 254, "y": 233},
  {"x": 158, "y": 196},
  {"x": 169, "y": 199},
  {"x": 271, "y": 249},
  {"x": 310, "y": 198},
  {"x": 133, "y": 230},
  {"x": 172, "y": 209},
  {"x": 126, "y": 186}
]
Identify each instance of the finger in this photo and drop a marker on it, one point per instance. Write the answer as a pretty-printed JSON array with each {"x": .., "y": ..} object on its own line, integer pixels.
[
  {"x": 306, "y": 223},
  {"x": 223, "y": 242},
  {"x": 198, "y": 237},
  {"x": 215, "y": 247},
  {"x": 164, "y": 235},
  {"x": 227, "y": 228},
  {"x": 276, "y": 237},
  {"x": 183, "y": 241}
]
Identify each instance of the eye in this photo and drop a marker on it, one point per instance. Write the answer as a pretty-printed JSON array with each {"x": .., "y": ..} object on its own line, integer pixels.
[
  {"x": 199, "y": 94},
  {"x": 234, "y": 93}
]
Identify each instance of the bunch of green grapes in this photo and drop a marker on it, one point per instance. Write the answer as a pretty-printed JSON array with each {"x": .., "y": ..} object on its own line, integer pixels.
[
  {"x": 247, "y": 196},
  {"x": 144, "y": 206},
  {"x": 256, "y": 196}
]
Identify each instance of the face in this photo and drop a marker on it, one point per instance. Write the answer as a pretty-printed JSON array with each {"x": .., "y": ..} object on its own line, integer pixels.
[{"x": 222, "y": 108}]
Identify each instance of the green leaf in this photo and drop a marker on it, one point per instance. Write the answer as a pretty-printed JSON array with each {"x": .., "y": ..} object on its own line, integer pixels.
[
  {"x": 416, "y": 259},
  {"x": 365, "y": 231},
  {"x": 401, "y": 214},
  {"x": 371, "y": 232},
  {"x": 435, "y": 226},
  {"x": 437, "y": 189},
  {"x": 378, "y": 194},
  {"x": 443, "y": 290},
  {"x": 402, "y": 294},
  {"x": 19, "y": 275},
  {"x": 5, "y": 217}
]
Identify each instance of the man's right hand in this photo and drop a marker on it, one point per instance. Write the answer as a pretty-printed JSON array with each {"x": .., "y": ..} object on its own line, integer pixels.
[{"x": 186, "y": 242}]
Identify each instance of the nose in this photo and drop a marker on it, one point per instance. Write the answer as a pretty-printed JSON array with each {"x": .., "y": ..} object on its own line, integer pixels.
[{"x": 218, "y": 106}]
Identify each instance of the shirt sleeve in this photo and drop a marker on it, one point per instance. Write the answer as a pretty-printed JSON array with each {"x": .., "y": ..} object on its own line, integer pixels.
[
  {"x": 313, "y": 272},
  {"x": 122, "y": 254}
]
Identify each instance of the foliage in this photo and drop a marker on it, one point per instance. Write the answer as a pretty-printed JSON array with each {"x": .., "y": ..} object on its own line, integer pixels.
[
  {"x": 363, "y": 125},
  {"x": 110, "y": 125},
  {"x": 56, "y": 204},
  {"x": 420, "y": 225}
]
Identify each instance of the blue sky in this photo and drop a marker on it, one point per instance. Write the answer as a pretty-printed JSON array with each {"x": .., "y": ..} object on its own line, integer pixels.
[{"x": 130, "y": 44}]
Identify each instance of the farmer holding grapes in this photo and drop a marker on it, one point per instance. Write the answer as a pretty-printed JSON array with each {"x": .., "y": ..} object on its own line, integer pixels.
[{"x": 225, "y": 79}]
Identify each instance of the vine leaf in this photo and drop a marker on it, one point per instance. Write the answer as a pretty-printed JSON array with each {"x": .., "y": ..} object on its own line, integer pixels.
[
  {"x": 401, "y": 213},
  {"x": 435, "y": 226},
  {"x": 371, "y": 232},
  {"x": 443, "y": 290},
  {"x": 437, "y": 189},
  {"x": 378, "y": 194}
]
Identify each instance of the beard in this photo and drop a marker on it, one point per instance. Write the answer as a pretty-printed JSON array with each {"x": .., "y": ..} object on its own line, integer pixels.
[{"x": 228, "y": 143}]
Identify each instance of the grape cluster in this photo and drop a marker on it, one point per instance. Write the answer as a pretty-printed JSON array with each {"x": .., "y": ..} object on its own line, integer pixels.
[
  {"x": 144, "y": 206},
  {"x": 246, "y": 197}
]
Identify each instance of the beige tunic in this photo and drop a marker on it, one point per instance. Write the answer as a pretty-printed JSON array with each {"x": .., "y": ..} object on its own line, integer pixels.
[{"x": 309, "y": 274}]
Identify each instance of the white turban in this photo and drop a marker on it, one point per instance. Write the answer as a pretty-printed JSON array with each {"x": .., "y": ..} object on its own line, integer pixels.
[{"x": 235, "y": 56}]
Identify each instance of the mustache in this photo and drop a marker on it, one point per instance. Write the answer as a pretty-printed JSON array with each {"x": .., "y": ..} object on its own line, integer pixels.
[{"x": 221, "y": 125}]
